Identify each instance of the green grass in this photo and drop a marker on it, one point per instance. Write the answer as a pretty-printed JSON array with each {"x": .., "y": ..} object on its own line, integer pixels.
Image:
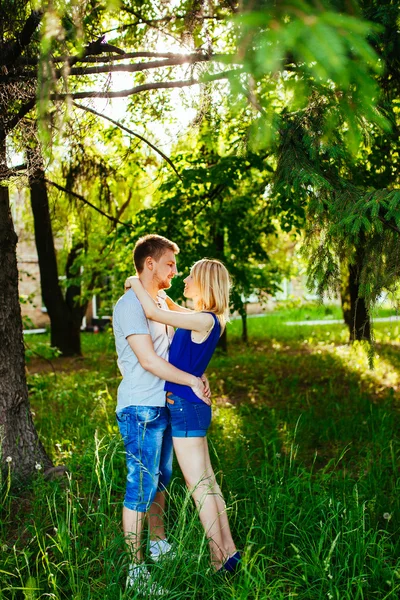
[{"x": 305, "y": 443}]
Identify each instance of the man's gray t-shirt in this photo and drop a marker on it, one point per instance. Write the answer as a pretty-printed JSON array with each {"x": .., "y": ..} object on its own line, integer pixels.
[{"x": 138, "y": 386}]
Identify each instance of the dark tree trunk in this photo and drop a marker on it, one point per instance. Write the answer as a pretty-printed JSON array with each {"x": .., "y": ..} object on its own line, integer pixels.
[
  {"x": 18, "y": 437},
  {"x": 359, "y": 322},
  {"x": 76, "y": 307},
  {"x": 65, "y": 314},
  {"x": 345, "y": 295},
  {"x": 243, "y": 314},
  {"x": 219, "y": 253},
  {"x": 223, "y": 342}
]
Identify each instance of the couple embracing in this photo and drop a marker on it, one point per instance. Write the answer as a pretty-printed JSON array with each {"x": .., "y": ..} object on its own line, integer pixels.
[{"x": 164, "y": 400}]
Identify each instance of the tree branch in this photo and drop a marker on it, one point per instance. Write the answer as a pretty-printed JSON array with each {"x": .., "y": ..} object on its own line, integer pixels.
[
  {"x": 148, "y": 22},
  {"x": 79, "y": 197},
  {"x": 25, "y": 108},
  {"x": 167, "y": 19},
  {"x": 7, "y": 172},
  {"x": 124, "y": 128},
  {"x": 99, "y": 46},
  {"x": 144, "y": 87},
  {"x": 119, "y": 94},
  {"x": 9, "y": 55},
  {"x": 130, "y": 68},
  {"x": 113, "y": 57}
]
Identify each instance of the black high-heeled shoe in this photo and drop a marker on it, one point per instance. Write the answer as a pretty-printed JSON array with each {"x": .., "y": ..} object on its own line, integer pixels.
[{"x": 232, "y": 562}]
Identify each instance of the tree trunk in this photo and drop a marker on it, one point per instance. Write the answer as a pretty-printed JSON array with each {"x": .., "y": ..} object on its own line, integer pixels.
[
  {"x": 243, "y": 314},
  {"x": 223, "y": 342},
  {"x": 360, "y": 323},
  {"x": 18, "y": 437},
  {"x": 219, "y": 253},
  {"x": 65, "y": 317},
  {"x": 345, "y": 295}
]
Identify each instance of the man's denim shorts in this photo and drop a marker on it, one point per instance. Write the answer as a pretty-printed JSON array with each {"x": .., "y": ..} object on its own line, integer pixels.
[
  {"x": 146, "y": 432},
  {"x": 188, "y": 419}
]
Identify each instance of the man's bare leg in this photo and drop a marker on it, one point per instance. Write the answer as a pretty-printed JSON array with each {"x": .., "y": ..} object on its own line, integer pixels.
[
  {"x": 156, "y": 517},
  {"x": 132, "y": 524}
]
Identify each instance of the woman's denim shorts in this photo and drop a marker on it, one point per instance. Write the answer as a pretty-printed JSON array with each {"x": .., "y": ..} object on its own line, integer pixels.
[
  {"x": 146, "y": 432},
  {"x": 188, "y": 419}
]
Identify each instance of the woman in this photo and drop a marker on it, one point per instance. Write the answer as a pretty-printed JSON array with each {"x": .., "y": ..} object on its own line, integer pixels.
[{"x": 191, "y": 349}]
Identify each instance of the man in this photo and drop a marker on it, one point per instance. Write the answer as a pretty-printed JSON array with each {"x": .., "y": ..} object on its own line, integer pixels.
[{"x": 143, "y": 419}]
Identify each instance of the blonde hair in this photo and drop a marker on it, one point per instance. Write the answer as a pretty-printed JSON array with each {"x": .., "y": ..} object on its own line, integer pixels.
[{"x": 214, "y": 282}]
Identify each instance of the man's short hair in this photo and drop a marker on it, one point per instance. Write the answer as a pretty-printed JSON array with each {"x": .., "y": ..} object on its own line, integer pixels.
[{"x": 151, "y": 245}]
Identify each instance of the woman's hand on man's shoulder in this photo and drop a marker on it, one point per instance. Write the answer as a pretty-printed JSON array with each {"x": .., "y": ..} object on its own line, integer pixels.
[{"x": 131, "y": 282}]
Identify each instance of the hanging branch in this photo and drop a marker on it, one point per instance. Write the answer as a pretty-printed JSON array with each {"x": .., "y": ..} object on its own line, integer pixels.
[
  {"x": 82, "y": 199},
  {"x": 13, "y": 122},
  {"x": 124, "y": 128}
]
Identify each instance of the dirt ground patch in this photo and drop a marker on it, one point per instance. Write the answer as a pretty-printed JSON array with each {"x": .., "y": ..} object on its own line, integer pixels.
[{"x": 58, "y": 365}]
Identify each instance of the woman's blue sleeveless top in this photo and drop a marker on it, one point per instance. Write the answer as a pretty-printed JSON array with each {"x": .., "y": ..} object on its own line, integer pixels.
[{"x": 191, "y": 357}]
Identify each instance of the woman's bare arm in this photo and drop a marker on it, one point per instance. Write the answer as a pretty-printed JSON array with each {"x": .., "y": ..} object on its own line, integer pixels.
[
  {"x": 177, "y": 307},
  {"x": 201, "y": 322}
]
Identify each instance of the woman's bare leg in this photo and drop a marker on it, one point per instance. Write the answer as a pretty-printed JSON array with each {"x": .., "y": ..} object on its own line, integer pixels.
[
  {"x": 193, "y": 458},
  {"x": 200, "y": 478},
  {"x": 227, "y": 541}
]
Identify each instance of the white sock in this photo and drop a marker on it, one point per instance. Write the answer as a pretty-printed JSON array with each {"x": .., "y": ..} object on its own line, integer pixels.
[
  {"x": 137, "y": 570},
  {"x": 158, "y": 547}
]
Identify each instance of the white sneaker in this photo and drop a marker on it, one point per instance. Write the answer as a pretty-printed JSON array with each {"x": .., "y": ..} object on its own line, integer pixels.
[
  {"x": 160, "y": 550},
  {"x": 139, "y": 579}
]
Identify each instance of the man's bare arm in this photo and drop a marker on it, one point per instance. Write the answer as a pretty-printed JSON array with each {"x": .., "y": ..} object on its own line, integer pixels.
[{"x": 142, "y": 346}]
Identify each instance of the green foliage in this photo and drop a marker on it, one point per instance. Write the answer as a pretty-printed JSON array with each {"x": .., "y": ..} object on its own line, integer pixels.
[
  {"x": 281, "y": 51},
  {"x": 295, "y": 48},
  {"x": 314, "y": 83},
  {"x": 109, "y": 175},
  {"x": 217, "y": 210},
  {"x": 347, "y": 201}
]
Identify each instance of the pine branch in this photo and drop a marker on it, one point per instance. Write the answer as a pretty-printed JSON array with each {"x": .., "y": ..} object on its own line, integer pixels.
[{"x": 389, "y": 225}]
